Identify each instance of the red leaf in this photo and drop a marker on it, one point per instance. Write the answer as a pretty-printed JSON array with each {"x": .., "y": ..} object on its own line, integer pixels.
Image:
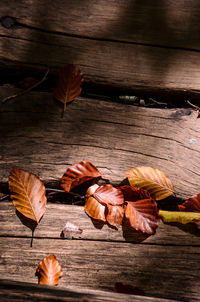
[
  {"x": 107, "y": 194},
  {"x": 68, "y": 86},
  {"x": 128, "y": 289},
  {"x": 79, "y": 173},
  {"x": 134, "y": 194},
  {"x": 49, "y": 271},
  {"x": 115, "y": 215},
  {"x": 191, "y": 205},
  {"x": 142, "y": 215},
  {"x": 92, "y": 207}
]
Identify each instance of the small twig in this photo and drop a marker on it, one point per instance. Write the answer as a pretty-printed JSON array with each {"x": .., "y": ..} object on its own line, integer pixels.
[
  {"x": 157, "y": 103},
  {"x": 25, "y": 91},
  {"x": 54, "y": 191},
  {"x": 192, "y": 105},
  {"x": 4, "y": 197}
]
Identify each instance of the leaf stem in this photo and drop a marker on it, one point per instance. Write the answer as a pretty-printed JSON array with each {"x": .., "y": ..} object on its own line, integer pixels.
[{"x": 27, "y": 90}]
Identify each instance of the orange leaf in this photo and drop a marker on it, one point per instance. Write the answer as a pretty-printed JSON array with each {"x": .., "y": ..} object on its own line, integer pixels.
[
  {"x": 68, "y": 86},
  {"x": 142, "y": 215},
  {"x": 191, "y": 205},
  {"x": 27, "y": 194},
  {"x": 115, "y": 215},
  {"x": 79, "y": 173},
  {"x": 107, "y": 194},
  {"x": 92, "y": 207},
  {"x": 49, "y": 271},
  {"x": 152, "y": 180}
]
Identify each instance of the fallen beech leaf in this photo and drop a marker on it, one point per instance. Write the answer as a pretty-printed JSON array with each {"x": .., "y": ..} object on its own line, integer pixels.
[
  {"x": 143, "y": 215},
  {"x": 115, "y": 215},
  {"x": 92, "y": 207},
  {"x": 27, "y": 194},
  {"x": 134, "y": 194},
  {"x": 191, "y": 205},
  {"x": 152, "y": 180},
  {"x": 79, "y": 173},
  {"x": 128, "y": 289},
  {"x": 107, "y": 194},
  {"x": 70, "y": 231},
  {"x": 68, "y": 86},
  {"x": 180, "y": 217},
  {"x": 49, "y": 271}
]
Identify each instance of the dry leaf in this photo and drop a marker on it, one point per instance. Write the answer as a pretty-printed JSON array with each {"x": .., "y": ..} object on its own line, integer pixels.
[
  {"x": 115, "y": 215},
  {"x": 180, "y": 217},
  {"x": 107, "y": 194},
  {"x": 191, "y": 205},
  {"x": 70, "y": 230},
  {"x": 49, "y": 271},
  {"x": 92, "y": 207},
  {"x": 134, "y": 194},
  {"x": 79, "y": 173},
  {"x": 27, "y": 194},
  {"x": 152, "y": 180},
  {"x": 68, "y": 86},
  {"x": 142, "y": 215}
]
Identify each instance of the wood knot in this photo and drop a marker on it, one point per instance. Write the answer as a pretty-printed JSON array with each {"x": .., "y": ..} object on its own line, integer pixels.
[{"x": 8, "y": 22}]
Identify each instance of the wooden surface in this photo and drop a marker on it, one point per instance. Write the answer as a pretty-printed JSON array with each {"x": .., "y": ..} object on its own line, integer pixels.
[
  {"x": 114, "y": 137},
  {"x": 21, "y": 291},
  {"x": 63, "y": 213},
  {"x": 127, "y": 46}
]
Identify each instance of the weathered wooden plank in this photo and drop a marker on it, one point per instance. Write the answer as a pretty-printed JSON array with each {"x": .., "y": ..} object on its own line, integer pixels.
[
  {"x": 57, "y": 215},
  {"x": 24, "y": 291},
  {"x": 128, "y": 21},
  {"x": 128, "y": 67},
  {"x": 114, "y": 137},
  {"x": 160, "y": 271}
]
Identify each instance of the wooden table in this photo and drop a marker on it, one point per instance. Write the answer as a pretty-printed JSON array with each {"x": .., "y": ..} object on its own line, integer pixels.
[{"x": 115, "y": 137}]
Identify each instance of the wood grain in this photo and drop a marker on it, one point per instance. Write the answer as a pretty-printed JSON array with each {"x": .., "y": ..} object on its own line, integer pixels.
[
  {"x": 24, "y": 291},
  {"x": 166, "y": 23},
  {"x": 114, "y": 137},
  {"x": 118, "y": 56},
  {"x": 57, "y": 215},
  {"x": 160, "y": 271}
]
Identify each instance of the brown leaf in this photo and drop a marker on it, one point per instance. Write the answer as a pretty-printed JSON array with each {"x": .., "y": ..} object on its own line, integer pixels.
[
  {"x": 128, "y": 289},
  {"x": 79, "y": 173},
  {"x": 70, "y": 231},
  {"x": 191, "y": 205},
  {"x": 49, "y": 271},
  {"x": 134, "y": 194},
  {"x": 27, "y": 194},
  {"x": 142, "y": 215},
  {"x": 68, "y": 86},
  {"x": 152, "y": 180},
  {"x": 107, "y": 194},
  {"x": 115, "y": 215},
  {"x": 92, "y": 207}
]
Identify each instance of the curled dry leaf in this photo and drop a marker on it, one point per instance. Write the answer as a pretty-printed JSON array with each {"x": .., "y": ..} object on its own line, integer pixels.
[
  {"x": 70, "y": 230},
  {"x": 142, "y": 215},
  {"x": 68, "y": 86},
  {"x": 79, "y": 173},
  {"x": 191, "y": 205},
  {"x": 49, "y": 271},
  {"x": 152, "y": 180},
  {"x": 180, "y": 217},
  {"x": 134, "y": 194},
  {"x": 107, "y": 194},
  {"x": 27, "y": 194},
  {"x": 115, "y": 215},
  {"x": 92, "y": 207},
  {"x": 105, "y": 204}
]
